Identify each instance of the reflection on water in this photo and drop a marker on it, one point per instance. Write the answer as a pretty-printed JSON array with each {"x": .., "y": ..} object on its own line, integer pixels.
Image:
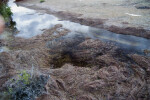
[
  {"x": 4, "y": 48},
  {"x": 28, "y": 22},
  {"x": 127, "y": 42},
  {"x": 31, "y": 23}
]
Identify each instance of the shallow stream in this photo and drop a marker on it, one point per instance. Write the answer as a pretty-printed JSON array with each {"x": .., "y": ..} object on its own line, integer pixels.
[{"x": 30, "y": 23}]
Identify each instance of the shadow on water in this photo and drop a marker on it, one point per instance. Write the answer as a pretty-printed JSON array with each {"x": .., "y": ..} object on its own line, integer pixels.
[{"x": 67, "y": 57}]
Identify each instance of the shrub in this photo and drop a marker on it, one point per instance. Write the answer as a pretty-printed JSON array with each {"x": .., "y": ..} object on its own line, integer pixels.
[
  {"x": 5, "y": 11},
  {"x": 42, "y": 1},
  {"x": 25, "y": 77},
  {"x": 26, "y": 87}
]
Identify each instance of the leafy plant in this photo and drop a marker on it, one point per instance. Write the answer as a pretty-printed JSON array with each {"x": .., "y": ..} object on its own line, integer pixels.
[
  {"x": 10, "y": 90},
  {"x": 5, "y": 11},
  {"x": 25, "y": 87},
  {"x": 21, "y": 83},
  {"x": 42, "y": 1},
  {"x": 25, "y": 77}
]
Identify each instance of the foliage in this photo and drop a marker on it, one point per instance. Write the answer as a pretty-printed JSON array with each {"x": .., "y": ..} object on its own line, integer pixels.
[
  {"x": 25, "y": 87},
  {"x": 10, "y": 90},
  {"x": 42, "y": 1},
  {"x": 21, "y": 83},
  {"x": 5, "y": 11},
  {"x": 25, "y": 77}
]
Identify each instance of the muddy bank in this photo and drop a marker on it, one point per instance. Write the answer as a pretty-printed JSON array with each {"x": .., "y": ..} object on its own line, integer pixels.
[
  {"x": 79, "y": 68},
  {"x": 122, "y": 22}
]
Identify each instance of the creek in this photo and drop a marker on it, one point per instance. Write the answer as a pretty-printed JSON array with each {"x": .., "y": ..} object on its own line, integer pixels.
[{"x": 30, "y": 23}]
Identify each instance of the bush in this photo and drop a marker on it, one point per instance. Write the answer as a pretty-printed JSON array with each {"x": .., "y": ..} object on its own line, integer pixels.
[
  {"x": 5, "y": 11},
  {"x": 25, "y": 77},
  {"x": 25, "y": 87},
  {"x": 42, "y": 1}
]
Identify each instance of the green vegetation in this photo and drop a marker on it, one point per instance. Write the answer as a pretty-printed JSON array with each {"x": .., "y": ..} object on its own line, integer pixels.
[
  {"x": 42, "y": 1},
  {"x": 25, "y": 87},
  {"x": 10, "y": 90},
  {"x": 5, "y": 11},
  {"x": 21, "y": 83},
  {"x": 25, "y": 77}
]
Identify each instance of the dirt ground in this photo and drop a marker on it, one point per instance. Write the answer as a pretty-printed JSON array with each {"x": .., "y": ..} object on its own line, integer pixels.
[
  {"x": 121, "y": 16},
  {"x": 79, "y": 69}
]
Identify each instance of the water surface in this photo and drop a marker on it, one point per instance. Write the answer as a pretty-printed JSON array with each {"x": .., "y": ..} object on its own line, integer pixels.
[{"x": 30, "y": 23}]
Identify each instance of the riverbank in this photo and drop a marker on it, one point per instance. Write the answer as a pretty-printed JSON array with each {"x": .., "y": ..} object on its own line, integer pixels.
[{"x": 118, "y": 16}]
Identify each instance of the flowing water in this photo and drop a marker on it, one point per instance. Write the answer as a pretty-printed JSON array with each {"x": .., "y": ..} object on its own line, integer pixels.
[{"x": 30, "y": 23}]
